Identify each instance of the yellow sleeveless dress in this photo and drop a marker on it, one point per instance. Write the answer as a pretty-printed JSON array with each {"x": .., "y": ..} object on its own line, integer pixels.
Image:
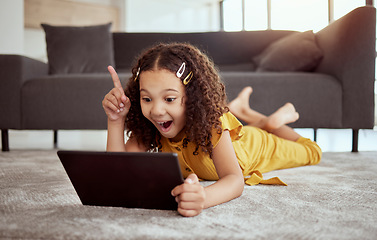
[{"x": 257, "y": 152}]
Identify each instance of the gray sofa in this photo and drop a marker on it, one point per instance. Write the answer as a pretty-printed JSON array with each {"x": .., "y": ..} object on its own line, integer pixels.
[{"x": 331, "y": 87}]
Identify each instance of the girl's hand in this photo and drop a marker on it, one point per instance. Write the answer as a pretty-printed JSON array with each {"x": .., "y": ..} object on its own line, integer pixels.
[
  {"x": 116, "y": 104},
  {"x": 190, "y": 196}
]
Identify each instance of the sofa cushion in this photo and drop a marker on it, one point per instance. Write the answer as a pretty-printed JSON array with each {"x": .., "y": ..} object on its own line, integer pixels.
[
  {"x": 317, "y": 97},
  {"x": 230, "y": 51},
  {"x": 237, "y": 67},
  {"x": 296, "y": 52},
  {"x": 79, "y": 49},
  {"x": 70, "y": 109}
]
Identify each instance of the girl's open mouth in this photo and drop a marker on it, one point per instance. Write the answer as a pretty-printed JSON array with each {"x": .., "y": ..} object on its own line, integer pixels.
[{"x": 165, "y": 126}]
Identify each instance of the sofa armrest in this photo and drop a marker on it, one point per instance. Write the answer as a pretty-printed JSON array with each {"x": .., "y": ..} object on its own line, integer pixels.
[
  {"x": 14, "y": 71},
  {"x": 349, "y": 55}
]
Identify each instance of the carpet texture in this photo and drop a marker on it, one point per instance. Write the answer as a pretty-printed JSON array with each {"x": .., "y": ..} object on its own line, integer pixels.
[{"x": 336, "y": 199}]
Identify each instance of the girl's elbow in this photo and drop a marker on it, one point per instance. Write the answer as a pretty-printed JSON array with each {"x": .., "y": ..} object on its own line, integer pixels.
[{"x": 240, "y": 185}]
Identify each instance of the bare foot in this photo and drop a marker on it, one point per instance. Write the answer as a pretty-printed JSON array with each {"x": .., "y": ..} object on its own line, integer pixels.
[
  {"x": 240, "y": 104},
  {"x": 284, "y": 115}
]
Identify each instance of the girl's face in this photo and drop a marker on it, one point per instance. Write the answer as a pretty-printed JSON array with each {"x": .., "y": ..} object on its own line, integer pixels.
[{"x": 162, "y": 100}]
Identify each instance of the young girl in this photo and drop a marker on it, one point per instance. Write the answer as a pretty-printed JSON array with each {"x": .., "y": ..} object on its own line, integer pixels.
[{"x": 176, "y": 102}]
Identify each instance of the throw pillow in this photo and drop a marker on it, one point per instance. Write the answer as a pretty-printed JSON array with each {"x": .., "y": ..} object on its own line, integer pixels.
[
  {"x": 86, "y": 49},
  {"x": 295, "y": 52}
]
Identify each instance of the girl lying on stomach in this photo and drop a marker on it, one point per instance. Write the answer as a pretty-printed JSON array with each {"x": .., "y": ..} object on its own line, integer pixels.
[{"x": 176, "y": 102}]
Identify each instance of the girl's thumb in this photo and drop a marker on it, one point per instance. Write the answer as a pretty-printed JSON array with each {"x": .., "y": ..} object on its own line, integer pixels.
[{"x": 192, "y": 178}]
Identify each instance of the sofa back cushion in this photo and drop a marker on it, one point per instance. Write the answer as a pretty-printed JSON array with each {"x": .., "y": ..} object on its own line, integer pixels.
[
  {"x": 296, "y": 52},
  {"x": 227, "y": 49},
  {"x": 86, "y": 49}
]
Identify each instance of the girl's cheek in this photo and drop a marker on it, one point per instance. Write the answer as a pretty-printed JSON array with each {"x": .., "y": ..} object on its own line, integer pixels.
[{"x": 144, "y": 111}]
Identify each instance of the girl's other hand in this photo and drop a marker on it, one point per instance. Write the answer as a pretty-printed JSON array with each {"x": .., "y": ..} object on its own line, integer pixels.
[
  {"x": 116, "y": 104},
  {"x": 190, "y": 196}
]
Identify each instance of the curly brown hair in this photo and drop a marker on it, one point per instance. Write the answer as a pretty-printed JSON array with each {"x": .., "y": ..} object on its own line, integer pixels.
[{"x": 205, "y": 102}]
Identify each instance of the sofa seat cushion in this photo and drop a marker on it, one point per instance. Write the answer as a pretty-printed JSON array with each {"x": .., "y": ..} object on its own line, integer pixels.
[
  {"x": 63, "y": 101},
  {"x": 317, "y": 97}
]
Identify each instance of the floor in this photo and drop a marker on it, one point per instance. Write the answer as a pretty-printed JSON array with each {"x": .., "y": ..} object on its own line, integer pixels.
[{"x": 330, "y": 140}]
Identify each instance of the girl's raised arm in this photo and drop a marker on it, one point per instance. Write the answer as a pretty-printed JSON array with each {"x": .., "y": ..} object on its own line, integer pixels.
[{"x": 116, "y": 105}]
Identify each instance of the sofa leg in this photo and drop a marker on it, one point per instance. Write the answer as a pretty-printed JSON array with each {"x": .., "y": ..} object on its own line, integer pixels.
[
  {"x": 4, "y": 140},
  {"x": 55, "y": 138},
  {"x": 315, "y": 134},
  {"x": 355, "y": 140}
]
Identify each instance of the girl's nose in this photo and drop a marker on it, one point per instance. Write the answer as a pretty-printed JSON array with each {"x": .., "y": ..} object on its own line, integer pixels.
[{"x": 158, "y": 109}]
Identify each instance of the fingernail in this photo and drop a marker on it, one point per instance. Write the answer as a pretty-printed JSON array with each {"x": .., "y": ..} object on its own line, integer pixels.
[
  {"x": 121, "y": 105},
  {"x": 118, "y": 110},
  {"x": 121, "y": 109},
  {"x": 189, "y": 180}
]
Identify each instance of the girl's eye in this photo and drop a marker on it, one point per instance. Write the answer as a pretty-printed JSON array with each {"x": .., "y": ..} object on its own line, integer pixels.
[
  {"x": 169, "y": 99},
  {"x": 145, "y": 99}
]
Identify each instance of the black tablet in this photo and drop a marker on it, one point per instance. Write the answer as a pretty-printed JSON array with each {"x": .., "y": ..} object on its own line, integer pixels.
[{"x": 119, "y": 179}]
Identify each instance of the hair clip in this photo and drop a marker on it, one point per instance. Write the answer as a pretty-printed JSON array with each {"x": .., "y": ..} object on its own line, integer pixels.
[
  {"x": 187, "y": 78},
  {"x": 137, "y": 74},
  {"x": 181, "y": 70}
]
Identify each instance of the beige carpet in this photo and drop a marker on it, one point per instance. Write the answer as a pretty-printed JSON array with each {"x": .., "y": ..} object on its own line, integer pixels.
[{"x": 336, "y": 199}]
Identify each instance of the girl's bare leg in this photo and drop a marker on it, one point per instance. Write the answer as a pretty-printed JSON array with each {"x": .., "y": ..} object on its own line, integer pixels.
[
  {"x": 241, "y": 109},
  {"x": 275, "y": 123}
]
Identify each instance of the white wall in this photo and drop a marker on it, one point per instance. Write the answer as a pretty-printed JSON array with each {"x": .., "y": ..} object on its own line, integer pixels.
[
  {"x": 34, "y": 39},
  {"x": 171, "y": 16},
  {"x": 11, "y": 27},
  {"x": 35, "y": 44},
  {"x": 136, "y": 16}
]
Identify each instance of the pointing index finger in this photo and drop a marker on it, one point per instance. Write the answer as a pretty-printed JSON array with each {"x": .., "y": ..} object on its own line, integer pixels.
[{"x": 115, "y": 77}]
